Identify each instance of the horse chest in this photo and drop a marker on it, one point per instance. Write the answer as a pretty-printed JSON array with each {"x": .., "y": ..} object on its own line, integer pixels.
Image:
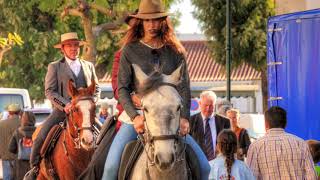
[{"x": 141, "y": 172}]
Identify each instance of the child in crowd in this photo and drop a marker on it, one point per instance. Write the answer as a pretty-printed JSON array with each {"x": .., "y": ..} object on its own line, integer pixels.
[{"x": 225, "y": 166}]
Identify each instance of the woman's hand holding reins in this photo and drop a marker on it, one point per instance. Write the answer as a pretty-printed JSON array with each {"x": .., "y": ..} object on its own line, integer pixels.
[
  {"x": 136, "y": 100},
  {"x": 184, "y": 126},
  {"x": 138, "y": 124}
]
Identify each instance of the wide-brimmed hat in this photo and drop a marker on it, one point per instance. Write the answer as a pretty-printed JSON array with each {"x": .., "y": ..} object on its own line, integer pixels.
[
  {"x": 129, "y": 16},
  {"x": 14, "y": 108},
  {"x": 69, "y": 37},
  {"x": 151, "y": 9}
]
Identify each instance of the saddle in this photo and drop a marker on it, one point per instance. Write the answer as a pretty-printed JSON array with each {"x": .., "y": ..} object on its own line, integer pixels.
[
  {"x": 51, "y": 141},
  {"x": 48, "y": 147},
  {"x": 134, "y": 149}
]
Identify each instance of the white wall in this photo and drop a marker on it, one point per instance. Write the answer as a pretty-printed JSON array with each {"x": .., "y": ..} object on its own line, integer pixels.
[{"x": 312, "y": 4}]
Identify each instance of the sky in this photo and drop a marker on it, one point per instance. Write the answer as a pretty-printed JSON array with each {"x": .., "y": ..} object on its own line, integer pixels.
[{"x": 188, "y": 24}]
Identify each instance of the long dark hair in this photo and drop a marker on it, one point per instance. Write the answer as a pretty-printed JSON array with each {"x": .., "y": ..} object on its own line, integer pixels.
[
  {"x": 166, "y": 34},
  {"x": 227, "y": 145}
]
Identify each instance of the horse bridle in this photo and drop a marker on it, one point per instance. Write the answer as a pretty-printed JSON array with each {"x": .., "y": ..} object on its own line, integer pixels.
[
  {"x": 150, "y": 138},
  {"x": 76, "y": 140}
]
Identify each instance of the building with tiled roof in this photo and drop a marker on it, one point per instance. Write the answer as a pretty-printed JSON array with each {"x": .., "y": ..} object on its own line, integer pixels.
[{"x": 206, "y": 74}]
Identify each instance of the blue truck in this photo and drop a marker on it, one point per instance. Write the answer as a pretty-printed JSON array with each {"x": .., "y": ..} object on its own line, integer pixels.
[{"x": 293, "y": 61}]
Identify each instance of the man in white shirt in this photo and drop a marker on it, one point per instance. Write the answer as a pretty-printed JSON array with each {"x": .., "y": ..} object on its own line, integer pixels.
[
  {"x": 56, "y": 83},
  {"x": 206, "y": 125}
]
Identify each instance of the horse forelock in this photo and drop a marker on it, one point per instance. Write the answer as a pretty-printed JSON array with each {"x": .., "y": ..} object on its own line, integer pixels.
[
  {"x": 154, "y": 81},
  {"x": 83, "y": 92}
]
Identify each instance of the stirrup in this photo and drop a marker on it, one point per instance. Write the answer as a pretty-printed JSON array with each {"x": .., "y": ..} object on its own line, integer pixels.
[{"x": 32, "y": 174}]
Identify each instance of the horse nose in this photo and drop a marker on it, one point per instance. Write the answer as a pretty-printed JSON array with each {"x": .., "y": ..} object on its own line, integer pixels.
[
  {"x": 164, "y": 163},
  {"x": 85, "y": 142}
]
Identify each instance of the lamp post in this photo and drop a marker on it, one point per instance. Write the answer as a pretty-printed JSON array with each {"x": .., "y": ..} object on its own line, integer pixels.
[{"x": 228, "y": 49}]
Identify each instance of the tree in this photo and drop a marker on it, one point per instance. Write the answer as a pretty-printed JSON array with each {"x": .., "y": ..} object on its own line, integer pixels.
[
  {"x": 40, "y": 23},
  {"x": 249, "y": 24},
  {"x": 7, "y": 43}
]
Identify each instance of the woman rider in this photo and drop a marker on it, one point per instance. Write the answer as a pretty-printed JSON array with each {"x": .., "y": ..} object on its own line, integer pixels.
[{"x": 151, "y": 44}]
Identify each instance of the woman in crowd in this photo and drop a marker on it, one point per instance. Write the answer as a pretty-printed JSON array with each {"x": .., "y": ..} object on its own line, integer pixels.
[{"x": 241, "y": 133}]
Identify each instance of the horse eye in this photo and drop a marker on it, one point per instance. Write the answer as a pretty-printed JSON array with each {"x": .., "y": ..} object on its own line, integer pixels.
[
  {"x": 145, "y": 109},
  {"x": 178, "y": 108}
]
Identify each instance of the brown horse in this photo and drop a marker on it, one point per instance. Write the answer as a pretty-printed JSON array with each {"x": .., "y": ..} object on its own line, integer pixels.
[{"x": 74, "y": 148}]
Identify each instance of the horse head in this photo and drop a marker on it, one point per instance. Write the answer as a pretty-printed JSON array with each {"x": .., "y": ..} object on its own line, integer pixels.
[
  {"x": 161, "y": 105},
  {"x": 82, "y": 115}
]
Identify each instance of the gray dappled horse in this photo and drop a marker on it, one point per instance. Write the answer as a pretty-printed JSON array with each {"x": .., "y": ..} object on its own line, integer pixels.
[{"x": 164, "y": 153}]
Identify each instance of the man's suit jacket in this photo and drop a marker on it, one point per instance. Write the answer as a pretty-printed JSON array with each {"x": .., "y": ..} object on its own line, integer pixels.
[
  {"x": 197, "y": 131},
  {"x": 57, "y": 78}
]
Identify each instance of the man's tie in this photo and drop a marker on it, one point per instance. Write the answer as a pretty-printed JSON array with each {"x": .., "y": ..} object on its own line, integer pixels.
[{"x": 208, "y": 141}]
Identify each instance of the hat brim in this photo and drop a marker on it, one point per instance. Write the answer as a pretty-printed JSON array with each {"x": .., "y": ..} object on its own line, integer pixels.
[
  {"x": 81, "y": 43},
  {"x": 151, "y": 16}
]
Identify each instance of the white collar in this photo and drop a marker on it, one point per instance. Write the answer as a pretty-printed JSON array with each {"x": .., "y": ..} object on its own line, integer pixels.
[
  {"x": 69, "y": 61},
  {"x": 212, "y": 115}
]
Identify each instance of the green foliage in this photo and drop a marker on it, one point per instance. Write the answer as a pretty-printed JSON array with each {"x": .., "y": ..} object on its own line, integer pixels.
[
  {"x": 249, "y": 24},
  {"x": 39, "y": 24}
]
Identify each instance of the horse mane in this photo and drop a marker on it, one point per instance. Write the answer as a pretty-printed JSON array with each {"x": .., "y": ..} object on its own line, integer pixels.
[{"x": 154, "y": 81}]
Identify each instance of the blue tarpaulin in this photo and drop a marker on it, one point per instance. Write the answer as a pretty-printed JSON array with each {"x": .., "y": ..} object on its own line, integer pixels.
[{"x": 293, "y": 57}]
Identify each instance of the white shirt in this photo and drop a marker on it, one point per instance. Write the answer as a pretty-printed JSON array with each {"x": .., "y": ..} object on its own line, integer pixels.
[
  {"x": 212, "y": 124},
  {"x": 74, "y": 65}
]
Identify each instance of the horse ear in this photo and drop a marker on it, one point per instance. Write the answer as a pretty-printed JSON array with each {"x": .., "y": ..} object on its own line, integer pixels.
[
  {"x": 72, "y": 91},
  {"x": 174, "y": 77},
  {"x": 140, "y": 75},
  {"x": 92, "y": 87}
]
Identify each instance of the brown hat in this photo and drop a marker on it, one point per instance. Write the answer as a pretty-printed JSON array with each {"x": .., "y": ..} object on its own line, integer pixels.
[
  {"x": 69, "y": 37},
  {"x": 128, "y": 17},
  {"x": 151, "y": 9}
]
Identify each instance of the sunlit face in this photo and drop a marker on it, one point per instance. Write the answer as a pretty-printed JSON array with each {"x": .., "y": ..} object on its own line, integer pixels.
[
  {"x": 206, "y": 106},
  {"x": 151, "y": 28},
  {"x": 104, "y": 111},
  {"x": 71, "y": 49},
  {"x": 233, "y": 118}
]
